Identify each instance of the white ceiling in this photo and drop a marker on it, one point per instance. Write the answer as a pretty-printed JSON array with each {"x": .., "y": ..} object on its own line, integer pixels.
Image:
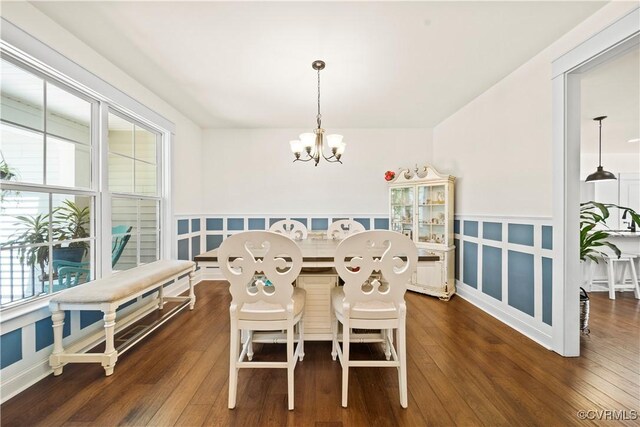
[
  {"x": 248, "y": 64},
  {"x": 613, "y": 90}
]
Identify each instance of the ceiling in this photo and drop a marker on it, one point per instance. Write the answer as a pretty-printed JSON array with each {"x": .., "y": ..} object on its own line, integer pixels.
[
  {"x": 613, "y": 90},
  {"x": 248, "y": 64}
]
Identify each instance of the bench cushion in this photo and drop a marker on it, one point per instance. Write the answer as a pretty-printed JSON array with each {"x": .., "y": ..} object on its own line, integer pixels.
[{"x": 124, "y": 283}]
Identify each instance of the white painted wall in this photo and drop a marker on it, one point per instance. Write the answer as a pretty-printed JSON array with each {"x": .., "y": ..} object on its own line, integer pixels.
[
  {"x": 252, "y": 171},
  {"x": 499, "y": 145},
  {"x": 187, "y": 183}
]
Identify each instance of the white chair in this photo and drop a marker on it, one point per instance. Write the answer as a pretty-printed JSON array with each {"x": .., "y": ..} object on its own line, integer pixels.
[
  {"x": 267, "y": 302},
  {"x": 617, "y": 269},
  {"x": 369, "y": 303},
  {"x": 342, "y": 228},
  {"x": 291, "y": 228}
]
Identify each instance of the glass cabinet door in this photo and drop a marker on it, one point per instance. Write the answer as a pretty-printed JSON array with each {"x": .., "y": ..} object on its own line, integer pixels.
[
  {"x": 431, "y": 214},
  {"x": 402, "y": 214}
]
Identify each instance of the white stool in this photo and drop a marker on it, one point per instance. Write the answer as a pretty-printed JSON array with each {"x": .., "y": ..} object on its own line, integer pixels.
[{"x": 624, "y": 263}]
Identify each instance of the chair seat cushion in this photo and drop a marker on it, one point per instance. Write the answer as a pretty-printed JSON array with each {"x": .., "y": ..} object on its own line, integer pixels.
[
  {"x": 372, "y": 309},
  {"x": 262, "y": 310}
]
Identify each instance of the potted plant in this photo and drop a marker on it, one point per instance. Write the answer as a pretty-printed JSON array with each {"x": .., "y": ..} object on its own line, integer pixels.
[
  {"x": 7, "y": 173},
  {"x": 592, "y": 239},
  {"x": 71, "y": 222},
  {"x": 31, "y": 230}
]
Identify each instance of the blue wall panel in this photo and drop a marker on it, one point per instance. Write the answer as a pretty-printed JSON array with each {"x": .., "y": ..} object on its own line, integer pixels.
[
  {"x": 492, "y": 231},
  {"x": 547, "y": 237},
  {"x": 183, "y": 226},
  {"x": 492, "y": 271},
  {"x": 471, "y": 228},
  {"x": 213, "y": 242},
  {"x": 195, "y": 245},
  {"x": 521, "y": 234},
  {"x": 10, "y": 348},
  {"x": 302, "y": 220},
  {"x": 456, "y": 243},
  {"x": 547, "y": 290},
  {"x": 470, "y": 264},
  {"x": 90, "y": 317},
  {"x": 456, "y": 226},
  {"x": 274, "y": 220},
  {"x": 319, "y": 223},
  {"x": 366, "y": 222},
  {"x": 195, "y": 225},
  {"x": 214, "y": 224},
  {"x": 521, "y": 281},
  {"x": 381, "y": 223},
  {"x": 183, "y": 249},
  {"x": 44, "y": 330},
  {"x": 257, "y": 223},
  {"x": 235, "y": 224}
]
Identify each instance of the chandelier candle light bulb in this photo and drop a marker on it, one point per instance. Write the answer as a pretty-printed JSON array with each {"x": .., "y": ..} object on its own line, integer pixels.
[{"x": 313, "y": 143}]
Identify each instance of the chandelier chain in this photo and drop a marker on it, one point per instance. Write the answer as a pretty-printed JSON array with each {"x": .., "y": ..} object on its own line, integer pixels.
[{"x": 319, "y": 117}]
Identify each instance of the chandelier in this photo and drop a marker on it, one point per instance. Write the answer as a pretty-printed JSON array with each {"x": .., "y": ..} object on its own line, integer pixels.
[{"x": 313, "y": 143}]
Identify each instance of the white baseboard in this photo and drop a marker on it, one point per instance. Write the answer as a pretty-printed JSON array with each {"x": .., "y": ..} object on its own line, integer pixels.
[{"x": 540, "y": 333}]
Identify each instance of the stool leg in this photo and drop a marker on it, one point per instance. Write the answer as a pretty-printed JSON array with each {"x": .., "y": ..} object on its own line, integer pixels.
[
  {"x": 612, "y": 280},
  {"x": 634, "y": 279}
]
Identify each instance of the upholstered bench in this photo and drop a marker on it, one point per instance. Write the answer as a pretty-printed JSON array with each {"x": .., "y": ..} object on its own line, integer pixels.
[{"x": 107, "y": 295}]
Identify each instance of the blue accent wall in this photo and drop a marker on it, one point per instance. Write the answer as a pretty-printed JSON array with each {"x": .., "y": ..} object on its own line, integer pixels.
[
  {"x": 456, "y": 243},
  {"x": 492, "y": 271},
  {"x": 470, "y": 264},
  {"x": 366, "y": 222},
  {"x": 183, "y": 226},
  {"x": 456, "y": 226},
  {"x": 471, "y": 228},
  {"x": 44, "y": 330},
  {"x": 195, "y": 245},
  {"x": 521, "y": 234},
  {"x": 235, "y": 224},
  {"x": 492, "y": 231},
  {"x": 10, "y": 348},
  {"x": 319, "y": 223},
  {"x": 195, "y": 225},
  {"x": 521, "y": 281},
  {"x": 547, "y": 237},
  {"x": 183, "y": 249},
  {"x": 302, "y": 220},
  {"x": 88, "y": 318},
  {"x": 381, "y": 223},
  {"x": 213, "y": 242},
  {"x": 547, "y": 290},
  {"x": 256, "y": 224},
  {"x": 274, "y": 220},
  {"x": 214, "y": 224}
]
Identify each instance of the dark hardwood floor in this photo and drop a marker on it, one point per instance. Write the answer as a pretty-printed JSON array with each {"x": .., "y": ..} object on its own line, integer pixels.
[{"x": 465, "y": 368}]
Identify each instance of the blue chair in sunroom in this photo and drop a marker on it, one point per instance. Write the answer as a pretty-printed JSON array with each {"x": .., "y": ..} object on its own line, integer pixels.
[{"x": 71, "y": 273}]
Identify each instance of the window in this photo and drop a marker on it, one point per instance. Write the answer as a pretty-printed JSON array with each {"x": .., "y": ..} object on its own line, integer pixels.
[
  {"x": 133, "y": 183},
  {"x": 54, "y": 204}
]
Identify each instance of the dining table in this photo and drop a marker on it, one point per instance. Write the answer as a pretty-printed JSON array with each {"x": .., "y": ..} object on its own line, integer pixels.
[{"x": 317, "y": 277}]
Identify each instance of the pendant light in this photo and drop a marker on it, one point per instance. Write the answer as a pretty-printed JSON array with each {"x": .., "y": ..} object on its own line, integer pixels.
[{"x": 600, "y": 174}]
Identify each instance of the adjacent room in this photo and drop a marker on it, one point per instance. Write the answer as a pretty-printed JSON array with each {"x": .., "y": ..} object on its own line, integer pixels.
[{"x": 319, "y": 213}]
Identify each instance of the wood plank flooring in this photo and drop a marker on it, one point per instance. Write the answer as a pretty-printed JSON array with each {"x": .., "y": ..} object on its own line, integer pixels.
[{"x": 465, "y": 368}]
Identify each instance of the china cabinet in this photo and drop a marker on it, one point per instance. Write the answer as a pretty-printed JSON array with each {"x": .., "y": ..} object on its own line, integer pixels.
[{"x": 421, "y": 207}]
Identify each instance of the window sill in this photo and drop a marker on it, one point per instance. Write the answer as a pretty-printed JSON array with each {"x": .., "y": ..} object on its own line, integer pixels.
[{"x": 21, "y": 309}]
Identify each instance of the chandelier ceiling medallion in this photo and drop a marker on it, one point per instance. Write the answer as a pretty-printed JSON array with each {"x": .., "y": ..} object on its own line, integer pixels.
[{"x": 313, "y": 143}]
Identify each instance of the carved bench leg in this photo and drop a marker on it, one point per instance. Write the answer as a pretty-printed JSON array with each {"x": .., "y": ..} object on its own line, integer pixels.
[
  {"x": 161, "y": 297},
  {"x": 192, "y": 295},
  {"x": 110, "y": 353},
  {"x": 54, "y": 360}
]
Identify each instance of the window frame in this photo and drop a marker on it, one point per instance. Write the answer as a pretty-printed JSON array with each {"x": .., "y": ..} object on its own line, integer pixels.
[{"x": 45, "y": 62}]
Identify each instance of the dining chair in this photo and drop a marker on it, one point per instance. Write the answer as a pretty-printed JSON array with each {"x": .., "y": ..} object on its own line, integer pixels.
[
  {"x": 290, "y": 228},
  {"x": 373, "y": 303},
  {"x": 342, "y": 228},
  {"x": 261, "y": 267}
]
